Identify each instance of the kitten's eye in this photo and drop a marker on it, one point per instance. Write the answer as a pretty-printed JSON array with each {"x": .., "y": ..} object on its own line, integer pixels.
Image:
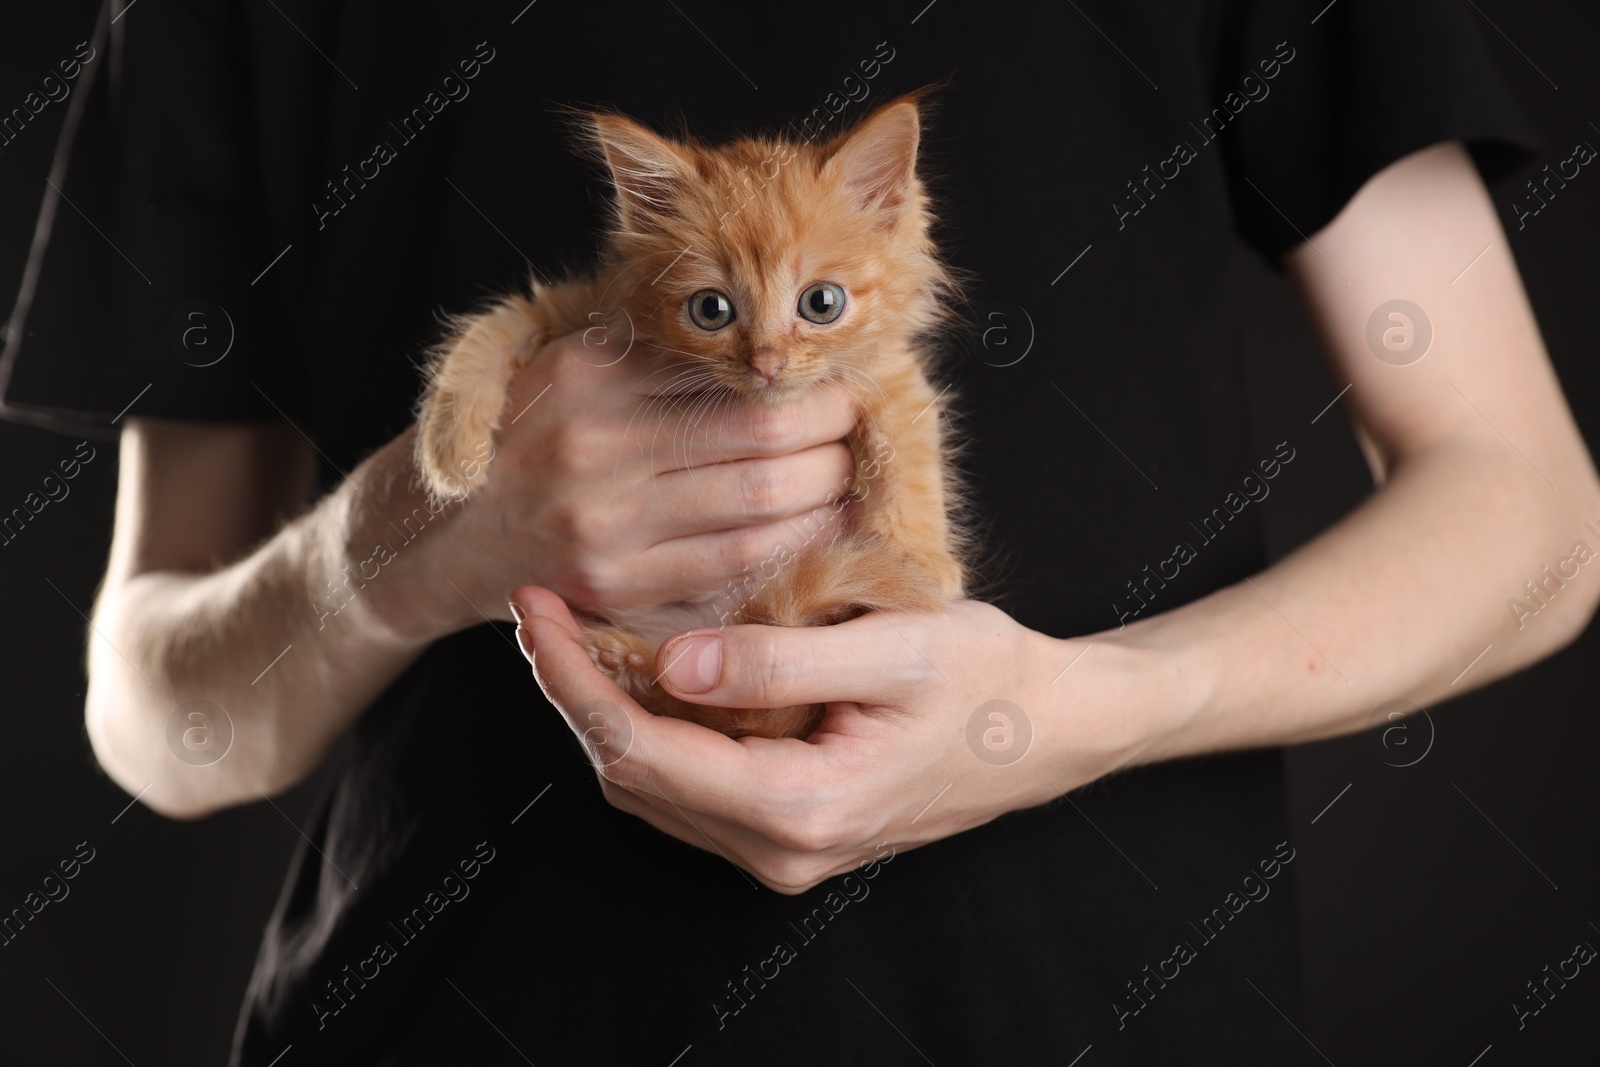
[
  {"x": 710, "y": 310},
  {"x": 822, "y": 302}
]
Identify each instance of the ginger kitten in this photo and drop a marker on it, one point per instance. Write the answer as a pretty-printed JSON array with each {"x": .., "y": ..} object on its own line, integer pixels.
[{"x": 766, "y": 267}]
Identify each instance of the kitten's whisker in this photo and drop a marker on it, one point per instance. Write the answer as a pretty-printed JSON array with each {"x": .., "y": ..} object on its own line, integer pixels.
[
  {"x": 703, "y": 405},
  {"x": 697, "y": 357},
  {"x": 686, "y": 425},
  {"x": 667, "y": 404},
  {"x": 847, "y": 376},
  {"x": 705, "y": 401},
  {"x": 690, "y": 377}
]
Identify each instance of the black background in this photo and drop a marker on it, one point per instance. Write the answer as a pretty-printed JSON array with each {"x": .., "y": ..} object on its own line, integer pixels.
[{"x": 1422, "y": 919}]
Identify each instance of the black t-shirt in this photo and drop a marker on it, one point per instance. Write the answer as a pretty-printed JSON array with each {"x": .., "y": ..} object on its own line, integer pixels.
[{"x": 318, "y": 180}]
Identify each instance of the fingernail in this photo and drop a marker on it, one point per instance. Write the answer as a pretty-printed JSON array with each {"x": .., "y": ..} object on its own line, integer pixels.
[
  {"x": 516, "y": 611},
  {"x": 696, "y": 664},
  {"x": 525, "y": 640}
]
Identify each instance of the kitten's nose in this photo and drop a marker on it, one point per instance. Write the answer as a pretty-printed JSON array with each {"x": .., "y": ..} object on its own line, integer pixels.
[{"x": 767, "y": 361}]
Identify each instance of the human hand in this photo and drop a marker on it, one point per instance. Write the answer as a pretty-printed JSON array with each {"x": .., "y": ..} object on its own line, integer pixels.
[
  {"x": 615, "y": 494},
  {"x": 892, "y": 761}
]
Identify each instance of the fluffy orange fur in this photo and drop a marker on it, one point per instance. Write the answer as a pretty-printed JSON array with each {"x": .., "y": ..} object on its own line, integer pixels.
[{"x": 759, "y": 221}]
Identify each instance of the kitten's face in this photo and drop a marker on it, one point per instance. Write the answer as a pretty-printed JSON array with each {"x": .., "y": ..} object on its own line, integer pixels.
[{"x": 768, "y": 267}]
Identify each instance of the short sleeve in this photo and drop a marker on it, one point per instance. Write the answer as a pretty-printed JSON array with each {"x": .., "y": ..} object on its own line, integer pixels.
[
  {"x": 147, "y": 288},
  {"x": 1329, "y": 94}
]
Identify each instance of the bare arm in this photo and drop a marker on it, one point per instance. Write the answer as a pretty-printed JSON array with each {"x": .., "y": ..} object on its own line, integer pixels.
[
  {"x": 1484, "y": 484},
  {"x": 192, "y": 609},
  {"x": 293, "y": 630}
]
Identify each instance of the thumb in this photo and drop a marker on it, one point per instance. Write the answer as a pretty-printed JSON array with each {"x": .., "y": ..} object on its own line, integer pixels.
[{"x": 861, "y": 660}]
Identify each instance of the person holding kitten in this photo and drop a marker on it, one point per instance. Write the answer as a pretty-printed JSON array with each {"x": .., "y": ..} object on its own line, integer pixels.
[{"x": 944, "y": 783}]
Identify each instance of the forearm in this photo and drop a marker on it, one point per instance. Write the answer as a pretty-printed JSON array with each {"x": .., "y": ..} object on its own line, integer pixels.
[
  {"x": 292, "y": 642},
  {"x": 1395, "y": 602}
]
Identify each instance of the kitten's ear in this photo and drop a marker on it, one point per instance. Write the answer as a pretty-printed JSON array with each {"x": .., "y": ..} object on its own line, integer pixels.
[
  {"x": 649, "y": 171},
  {"x": 877, "y": 161}
]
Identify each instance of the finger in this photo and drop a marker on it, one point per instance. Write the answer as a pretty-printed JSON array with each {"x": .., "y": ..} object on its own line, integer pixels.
[
  {"x": 747, "y": 492},
  {"x": 720, "y": 568},
  {"x": 733, "y": 562},
  {"x": 867, "y": 660},
  {"x": 536, "y": 600},
  {"x": 727, "y": 429},
  {"x": 698, "y": 768}
]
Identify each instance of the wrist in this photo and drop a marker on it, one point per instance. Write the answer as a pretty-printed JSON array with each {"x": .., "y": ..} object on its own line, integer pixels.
[
  {"x": 389, "y": 573},
  {"x": 1173, "y": 675},
  {"x": 1123, "y": 698}
]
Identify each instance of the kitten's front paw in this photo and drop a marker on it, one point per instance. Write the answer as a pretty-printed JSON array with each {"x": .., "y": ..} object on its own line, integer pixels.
[
  {"x": 453, "y": 448},
  {"x": 624, "y": 658},
  {"x": 468, "y": 382}
]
